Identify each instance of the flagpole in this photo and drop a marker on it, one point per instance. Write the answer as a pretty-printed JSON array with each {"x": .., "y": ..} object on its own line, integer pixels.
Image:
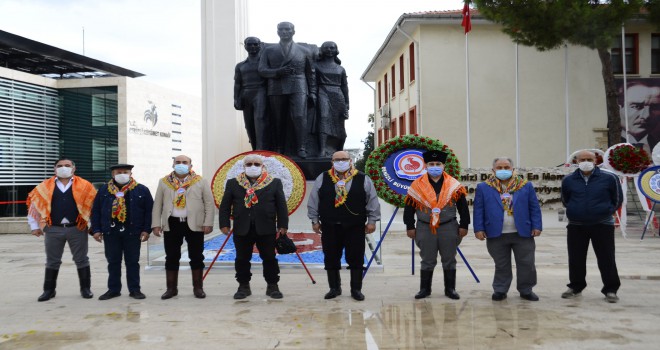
[
  {"x": 517, "y": 115},
  {"x": 625, "y": 81},
  {"x": 566, "y": 109},
  {"x": 467, "y": 100}
]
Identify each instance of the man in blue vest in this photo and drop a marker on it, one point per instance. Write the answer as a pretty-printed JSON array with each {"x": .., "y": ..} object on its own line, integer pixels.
[{"x": 343, "y": 207}]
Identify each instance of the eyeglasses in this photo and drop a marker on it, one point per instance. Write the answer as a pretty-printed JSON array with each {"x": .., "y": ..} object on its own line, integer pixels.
[{"x": 252, "y": 164}]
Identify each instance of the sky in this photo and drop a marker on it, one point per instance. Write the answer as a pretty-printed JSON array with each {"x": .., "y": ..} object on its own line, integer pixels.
[{"x": 162, "y": 38}]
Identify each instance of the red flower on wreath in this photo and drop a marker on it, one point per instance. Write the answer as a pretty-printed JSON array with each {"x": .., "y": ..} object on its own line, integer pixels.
[{"x": 628, "y": 159}]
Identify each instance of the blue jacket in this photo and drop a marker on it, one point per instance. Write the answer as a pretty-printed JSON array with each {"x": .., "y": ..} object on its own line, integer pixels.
[
  {"x": 139, "y": 210},
  {"x": 593, "y": 202},
  {"x": 489, "y": 212}
]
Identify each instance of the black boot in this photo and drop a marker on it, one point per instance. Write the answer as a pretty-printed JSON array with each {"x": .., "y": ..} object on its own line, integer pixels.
[
  {"x": 425, "y": 280},
  {"x": 172, "y": 282},
  {"x": 273, "y": 291},
  {"x": 450, "y": 284},
  {"x": 243, "y": 291},
  {"x": 85, "y": 277},
  {"x": 334, "y": 281},
  {"x": 198, "y": 283},
  {"x": 356, "y": 284},
  {"x": 50, "y": 282}
]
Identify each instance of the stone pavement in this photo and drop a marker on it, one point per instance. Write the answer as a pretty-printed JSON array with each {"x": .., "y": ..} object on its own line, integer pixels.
[{"x": 389, "y": 318}]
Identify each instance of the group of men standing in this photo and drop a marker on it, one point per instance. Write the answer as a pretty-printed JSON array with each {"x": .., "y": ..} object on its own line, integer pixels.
[{"x": 343, "y": 207}]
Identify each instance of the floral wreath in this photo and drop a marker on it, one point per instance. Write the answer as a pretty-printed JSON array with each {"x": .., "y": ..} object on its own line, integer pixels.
[
  {"x": 376, "y": 160},
  {"x": 624, "y": 159},
  {"x": 277, "y": 165}
]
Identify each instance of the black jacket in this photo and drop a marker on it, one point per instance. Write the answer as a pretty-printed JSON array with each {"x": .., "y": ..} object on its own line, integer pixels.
[
  {"x": 268, "y": 214},
  {"x": 139, "y": 210}
]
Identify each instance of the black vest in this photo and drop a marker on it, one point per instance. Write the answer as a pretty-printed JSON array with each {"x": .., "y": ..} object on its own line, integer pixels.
[
  {"x": 63, "y": 206},
  {"x": 352, "y": 212}
]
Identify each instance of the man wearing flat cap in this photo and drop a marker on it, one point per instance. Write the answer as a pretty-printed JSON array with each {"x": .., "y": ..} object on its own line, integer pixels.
[
  {"x": 435, "y": 198},
  {"x": 121, "y": 219}
]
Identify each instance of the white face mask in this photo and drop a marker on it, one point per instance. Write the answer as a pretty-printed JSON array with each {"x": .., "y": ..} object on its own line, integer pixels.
[
  {"x": 341, "y": 165},
  {"x": 64, "y": 172},
  {"x": 253, "y": 171},
  {"x": 122, "y": 178},
  {"x": 586, "y": 166}
]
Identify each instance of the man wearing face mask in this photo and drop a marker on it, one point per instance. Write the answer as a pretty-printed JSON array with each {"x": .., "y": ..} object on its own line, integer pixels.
[
  {"x": 121, "y": 219},
  {"x": 507, "y": 212},
  {"x": 435, "y": 198},
  {"x": 59, "y": 208},
  {"x": 183, "y": 209},
  {"x": 343, "y": 207},
  {"x": 591, "y": 198},
  {"x": 255, "y": 200}
]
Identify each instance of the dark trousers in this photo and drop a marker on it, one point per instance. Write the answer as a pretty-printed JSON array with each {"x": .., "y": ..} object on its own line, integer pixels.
[
  {"x": 523, "y": 248},
  {"x": 118, "y": 245},
  {"x": 338, "y": 237},
  {"x": 602, "y": 239},
  {"x": 174, "y": 239},
  {"x": 266, "y": 246}
]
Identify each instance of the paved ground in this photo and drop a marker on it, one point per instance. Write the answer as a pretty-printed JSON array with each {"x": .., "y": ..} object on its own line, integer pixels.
[{"x": 388, "y": 319}]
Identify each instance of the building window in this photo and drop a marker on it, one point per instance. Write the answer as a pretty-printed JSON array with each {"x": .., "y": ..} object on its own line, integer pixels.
[
  {"x": 393, "y": 128},
  {"x": 176, "y": 106},
  {"x": 655, "y": 53},
  {"x": 176, "y": 123},
  {"x": 386, "y": 135},
  {"x": 380, "y": 102},
  {"x": 393, "y": 83},
  {"x": 401, "y": 83},
  {"x": 380, "y": 136},
  {"x": 631, "y": 52},
  {"x": 176, "y": 149},
  {"x": 411, "y": 54},
  {"x": 386, "y": 90},
  {"x": 402, "y": 124},
  {"x": 412, "y": 120}
]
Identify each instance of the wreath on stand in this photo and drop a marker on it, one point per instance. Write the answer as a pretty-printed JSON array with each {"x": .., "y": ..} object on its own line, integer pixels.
[
  {"x": 378, "y": 156},
  {"x": 624, "y": 159}
]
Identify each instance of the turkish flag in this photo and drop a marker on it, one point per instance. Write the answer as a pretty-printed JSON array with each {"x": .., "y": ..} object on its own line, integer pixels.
[{"x": 467, "y": 23}]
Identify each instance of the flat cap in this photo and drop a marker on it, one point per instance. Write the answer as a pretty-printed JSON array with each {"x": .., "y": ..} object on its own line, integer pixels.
[{"x": 121, "y": 166}]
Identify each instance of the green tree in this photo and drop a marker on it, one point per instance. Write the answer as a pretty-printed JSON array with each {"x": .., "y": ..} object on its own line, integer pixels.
[
  {"x": 368, "y": 146},
  {"x": 550, "y": 24}
]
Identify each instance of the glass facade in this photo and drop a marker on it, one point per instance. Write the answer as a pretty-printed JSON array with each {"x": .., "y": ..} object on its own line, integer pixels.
[{"x": 40, "y": 124}]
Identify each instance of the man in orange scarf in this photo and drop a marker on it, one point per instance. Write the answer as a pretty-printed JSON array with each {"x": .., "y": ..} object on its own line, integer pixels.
[
  {"x": 435, "y": 198},
  {"x": 59, "y": 209}
]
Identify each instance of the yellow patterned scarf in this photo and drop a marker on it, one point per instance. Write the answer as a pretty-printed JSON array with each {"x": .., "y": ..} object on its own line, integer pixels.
[
  {"x": 340, "y": 184},
  {"x": 119, "y": 203},
  {"x": 40, "y": 198},
  {"x": 179, "y": 187},
  {"x": 506, "y": 191},
  {"x": 422, "y": 196},
  {"x": 250, "y": 189}
]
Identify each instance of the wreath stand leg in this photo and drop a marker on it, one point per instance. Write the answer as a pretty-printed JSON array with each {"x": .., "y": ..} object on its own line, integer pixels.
[
  {"x": 648, "y": 218},
  {"x": 412, "y": 255},
  {"x": 467, "y": 264},
  {"x": 218, "y": 254},
  {"x": 387, "y": 228}
]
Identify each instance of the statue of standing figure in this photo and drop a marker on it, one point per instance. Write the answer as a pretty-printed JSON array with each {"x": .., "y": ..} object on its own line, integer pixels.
[
  {"x": 250, "y": 96},
  {"x": 332, "y": 100}
]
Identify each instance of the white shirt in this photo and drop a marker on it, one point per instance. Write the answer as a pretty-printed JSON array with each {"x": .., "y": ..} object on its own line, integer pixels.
[{"x": 34, "y": 224}]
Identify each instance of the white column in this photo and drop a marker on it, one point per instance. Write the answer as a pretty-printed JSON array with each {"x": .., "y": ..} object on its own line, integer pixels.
[{"x": 224, "y": 26}]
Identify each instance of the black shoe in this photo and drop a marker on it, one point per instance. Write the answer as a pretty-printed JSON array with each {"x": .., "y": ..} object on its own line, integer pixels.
[
  {"x": 531, "y": 296},
  {"x": 109, "y": 295},
  {"x": 333, "y": 293},
  {"x": 357, "y": 294},
  {"x": 273, "y": 291},
  {"x": 497, "y": 296},
  {"x": 334, "y": 280},
  {"x": 47, "y": 295},
  {"x": 243, "y": 291},
  {"x": 137, "y": 294}
]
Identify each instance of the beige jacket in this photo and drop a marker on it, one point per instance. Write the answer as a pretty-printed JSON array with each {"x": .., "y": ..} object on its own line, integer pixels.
[{"x": 199, "y": 204}]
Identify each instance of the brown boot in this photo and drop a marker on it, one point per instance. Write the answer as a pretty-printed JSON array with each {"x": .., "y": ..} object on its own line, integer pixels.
[
  {"x": 172, "y": 282},
  {"x": 198, "y": 284}
]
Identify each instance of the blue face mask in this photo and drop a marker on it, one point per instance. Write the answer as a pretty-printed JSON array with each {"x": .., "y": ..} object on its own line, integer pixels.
[
  {"x": 435, "y": 171},
  {"x": 503, "y": 174},
  {"x": 181, "y": 169}
]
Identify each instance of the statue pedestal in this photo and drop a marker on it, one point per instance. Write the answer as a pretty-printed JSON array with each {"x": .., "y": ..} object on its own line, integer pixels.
[{"x": 313, "y": 167}]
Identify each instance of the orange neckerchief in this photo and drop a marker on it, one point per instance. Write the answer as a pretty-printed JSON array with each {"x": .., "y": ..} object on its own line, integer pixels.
[
  {"x": 40, "y": 198},
  {"x": 179, "y": 187},
  {"x": 422, "y": 196},
  {"x": 340, "y": 184},
  {"x": 250, "y": 195},
  {"x": 119, "y": 203}
]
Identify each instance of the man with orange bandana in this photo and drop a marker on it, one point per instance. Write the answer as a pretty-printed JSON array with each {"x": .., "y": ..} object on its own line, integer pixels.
[
  {"x": 435, "y": 198},
  {"x": 59, "y": 209}
]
